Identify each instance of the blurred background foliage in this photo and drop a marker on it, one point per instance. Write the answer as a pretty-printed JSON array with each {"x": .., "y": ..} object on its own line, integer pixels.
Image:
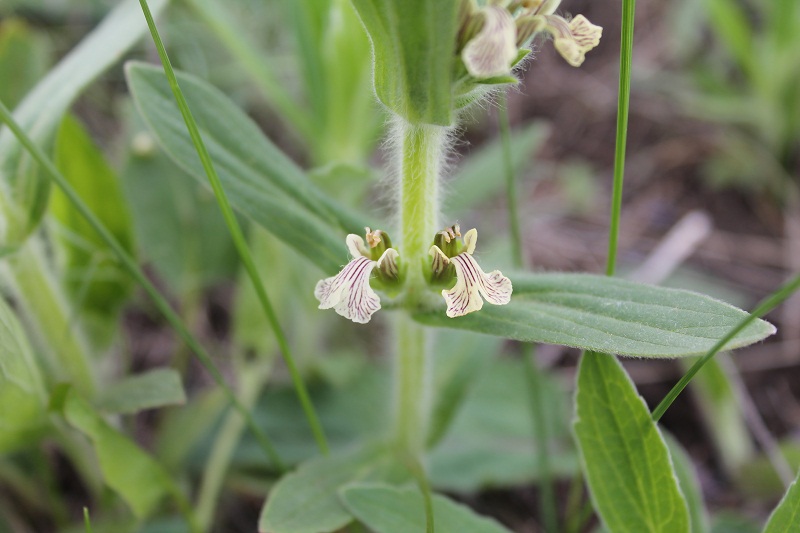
[{"x": 715, "y": 130}]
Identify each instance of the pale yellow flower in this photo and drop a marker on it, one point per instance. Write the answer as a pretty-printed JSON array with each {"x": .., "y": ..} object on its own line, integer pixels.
[
  {"x": 349, "y": 292},
  {"x": 473, "y": 285}
]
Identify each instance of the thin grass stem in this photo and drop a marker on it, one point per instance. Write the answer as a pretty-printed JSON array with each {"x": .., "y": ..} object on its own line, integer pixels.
[
  {"x": 765, "y": 306},
  {"x": 133, "y": 269},
  {"x": 237, "y": 235},
  {"x": 623, "y": 107},
  {"x": 534, "y": 374},
  {"x": 218, "y": 19}
]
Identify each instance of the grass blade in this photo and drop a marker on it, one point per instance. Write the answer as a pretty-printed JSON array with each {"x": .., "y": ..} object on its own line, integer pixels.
[
  {"x": 623, "y": 108},
  {"x": 534, "y": 374},
  {"x": 237, "y": 234},
  {"x": 766, "y": 305}
]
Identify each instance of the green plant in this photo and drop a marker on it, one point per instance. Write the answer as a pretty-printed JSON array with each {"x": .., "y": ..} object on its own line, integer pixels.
[
  {"x": 745, "y": 79},
  {"x": 369, "y": 446}
]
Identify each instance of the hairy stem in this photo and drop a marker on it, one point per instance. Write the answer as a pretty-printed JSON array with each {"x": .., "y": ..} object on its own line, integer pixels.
[
  {"x": 412, "y": 384},
  {"x": 422, "y": 149}
]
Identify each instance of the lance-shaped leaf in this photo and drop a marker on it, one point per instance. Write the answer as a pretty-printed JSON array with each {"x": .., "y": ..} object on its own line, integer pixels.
[
  {"x": 260, "y": 181},
  {"x": 386, "y": 509},
  {"x": 626, "y": 461},
  {"x": 24, "y": 193},
  {"x": 138, "y": 478},
  {"x": 22, "y": 399},
  {"x": 155, "y": 388},
  {"x": 786, "y": 515},
  {"x": 413, "y": 45},
  {"x": 607, "y": 315},
  {"x": 94, "y": 277}
]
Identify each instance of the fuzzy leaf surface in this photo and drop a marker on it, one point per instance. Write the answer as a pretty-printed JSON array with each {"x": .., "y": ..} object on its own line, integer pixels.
[
  {"x": 607, "y": 315},
  {"x": 386, "y": 509},
  {"x": 626, "y": 461},
  {"x": 259, "y": 180},
  {"x": 306, "y": 501},
  {"x": 413, "y": 44}
]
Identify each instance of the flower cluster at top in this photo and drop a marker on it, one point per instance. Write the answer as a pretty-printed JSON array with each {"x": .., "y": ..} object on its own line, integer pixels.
[
  {"x": 490, "y": 37},
  {"x": 350, "y": 294}
]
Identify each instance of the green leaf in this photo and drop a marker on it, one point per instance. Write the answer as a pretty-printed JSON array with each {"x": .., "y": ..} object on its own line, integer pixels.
[
  {"x": 607, "y": 315},
  {"x": 129, "y": 471},
  {"x": 24, "y": 58},
  {"x": 306, "y": 500},
  {"x": 478, "y": 176},
  {"x": 386, "y": 509},
  {"x": 177, "y": 220},
  {"x": 786, "y": 516},
  {"x": 413, "y": 45},
  {"x": 25, "y": 192},
  {"x": 260, "y": 181},
  {"x": 22, "y": 397},
  {"x": 491, "y": 443},
  {"x": 689, "y": 484},
  {"x": 626, "y": 462},
  {"x": 93, "y": 274},
  {"x": 155, "y": 388}
]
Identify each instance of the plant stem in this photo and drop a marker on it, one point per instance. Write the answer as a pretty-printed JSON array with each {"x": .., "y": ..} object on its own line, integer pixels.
[
  {"x": 412, "y": 384},
  {"x": 534, "y": 374},
  {"x": 421, "y": 151},
  {"x": 46, "y": 310},
  {"x": 623, "y": 107}
]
